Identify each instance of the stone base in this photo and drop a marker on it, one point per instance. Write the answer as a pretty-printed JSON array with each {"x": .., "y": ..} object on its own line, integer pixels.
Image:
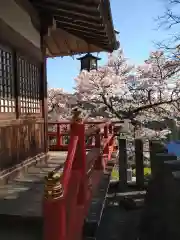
[{"x": 161, "y": 216}]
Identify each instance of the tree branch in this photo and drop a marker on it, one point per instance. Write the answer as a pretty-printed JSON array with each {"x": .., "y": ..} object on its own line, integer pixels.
[{"x": 148, "y": 106}]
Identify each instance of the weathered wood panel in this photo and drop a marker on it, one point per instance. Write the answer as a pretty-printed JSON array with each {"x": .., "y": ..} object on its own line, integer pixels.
[{"x": 20, "y": 141}]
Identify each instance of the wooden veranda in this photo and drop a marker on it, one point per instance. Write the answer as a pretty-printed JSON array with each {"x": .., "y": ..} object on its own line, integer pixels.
[
  {"x": 31, "y": 31},
  {"x": 69, "y": 202}
]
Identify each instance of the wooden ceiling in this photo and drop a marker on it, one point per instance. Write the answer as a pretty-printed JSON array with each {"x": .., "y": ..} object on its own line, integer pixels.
[{"x": 80, "y": 26}]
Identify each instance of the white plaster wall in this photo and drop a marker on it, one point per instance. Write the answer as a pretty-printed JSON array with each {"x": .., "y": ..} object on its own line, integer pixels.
[{"x": 19, "y": 20}]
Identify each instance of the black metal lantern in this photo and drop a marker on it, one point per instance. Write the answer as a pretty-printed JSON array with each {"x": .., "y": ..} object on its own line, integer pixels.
[{"x": 89, "y": 62}]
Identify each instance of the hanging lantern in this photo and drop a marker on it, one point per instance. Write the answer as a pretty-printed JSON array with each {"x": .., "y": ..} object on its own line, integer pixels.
[{"x": 89, "y": 62}]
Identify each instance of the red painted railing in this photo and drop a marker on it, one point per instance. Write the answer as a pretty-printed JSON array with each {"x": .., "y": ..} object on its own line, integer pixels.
[
  {"x": 59, "y": 133},
  {"x": 68, "y": 197}
]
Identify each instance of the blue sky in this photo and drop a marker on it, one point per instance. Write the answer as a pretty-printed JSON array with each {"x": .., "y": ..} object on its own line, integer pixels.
[{"x": 135, "y": 20}]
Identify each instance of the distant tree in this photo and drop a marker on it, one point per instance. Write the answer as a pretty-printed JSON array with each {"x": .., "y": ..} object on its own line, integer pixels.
[
  {"x": 170, "y": 20},
  {"x": 60, "y": 103},
  {"x": 171, "y": 16}
]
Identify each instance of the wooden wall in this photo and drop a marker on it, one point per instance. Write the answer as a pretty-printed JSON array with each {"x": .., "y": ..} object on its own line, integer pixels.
[
  {"x": 20, "y": 141},
  {"x": 22, "y": 97}
]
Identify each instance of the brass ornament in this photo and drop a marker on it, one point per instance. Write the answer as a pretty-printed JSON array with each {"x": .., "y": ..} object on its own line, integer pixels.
[
  {"x": 77, "y": 115},
  {"x": 53, "y": 188}
]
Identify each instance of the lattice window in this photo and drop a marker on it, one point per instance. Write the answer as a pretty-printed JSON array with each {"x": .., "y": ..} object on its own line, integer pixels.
[
  {"x": 7, "y": 99},
  {"x": 29, "y": 79}
]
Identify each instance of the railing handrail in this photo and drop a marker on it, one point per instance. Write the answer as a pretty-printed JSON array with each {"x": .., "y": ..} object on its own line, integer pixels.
[
  {"x": 81, "y": 175},
  {"x": 69, "y": 162},
  {"x": 85, "y": 121},
  {"x": 72, "y": 150},
  {"x": 62, "y": 132},
  {"x": 95, "y": 129}
]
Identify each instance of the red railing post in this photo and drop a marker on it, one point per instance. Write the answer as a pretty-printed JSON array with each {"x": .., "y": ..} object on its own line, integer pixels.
[
  {"x": 59, "y": 137},
  {"x": 98, "y": 139},
  {"x": 55, "y": 199},
  {"x": 54, "y": 210},
  {"x": 71, "y": 193},
  {"x": 57, "y": 225},
  {"x": 106, "y": 131},
  {"x": 98, "y": 162},
  {"x": 110, "y": 128},
  {"x": 106, "y": 147},
  {"x": 80, "y": 158},
  {"x": 78, "y": 179}
]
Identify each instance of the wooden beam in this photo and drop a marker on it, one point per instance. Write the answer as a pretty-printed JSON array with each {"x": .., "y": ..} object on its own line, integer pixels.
[
  {"x": 96, "y": 15},
  {"x": 55, "y": 42},
  {"x": 67, "y": 19},
  {"x": 72, "y": 5},
  {"x": 83, "y": 31},
  {"x": 105, "y": 20},
  {"x": 96, "y": 42},
  {"x": 54, "y": 10},
  {"x": 80, "y": 19},
  {"x": 81, "y": 27},
  {"x": 66, "y": 54},
  {"x": 88, "y": 2},
  {"x": 90, "y": 39},
  {"x": 105, "y": 12},
  {"x": 87, "y": 37}
]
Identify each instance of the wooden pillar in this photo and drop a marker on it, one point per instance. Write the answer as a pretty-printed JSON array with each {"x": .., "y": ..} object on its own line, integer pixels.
[
  {"x": 43, "y": 83},
  {"x": 122, "y": 163},
  {"x": 44, "y": 104},
  {"x": 139, "y": 162}
]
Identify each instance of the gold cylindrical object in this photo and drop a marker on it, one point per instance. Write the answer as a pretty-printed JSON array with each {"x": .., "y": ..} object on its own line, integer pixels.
[
  {"x": 53, "y": 187},
  {"x": 76, "y": 115}
]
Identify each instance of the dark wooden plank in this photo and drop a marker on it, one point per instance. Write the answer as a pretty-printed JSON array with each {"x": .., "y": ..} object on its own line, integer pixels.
[
  {"x": 139, "y": 159},
  {"x": 122, "y": 163}
]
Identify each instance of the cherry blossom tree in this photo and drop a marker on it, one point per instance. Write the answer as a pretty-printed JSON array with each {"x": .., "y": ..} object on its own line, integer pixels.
[
  {"x": 141, "y": 94},
  {"x": 60, "y": 103}
]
